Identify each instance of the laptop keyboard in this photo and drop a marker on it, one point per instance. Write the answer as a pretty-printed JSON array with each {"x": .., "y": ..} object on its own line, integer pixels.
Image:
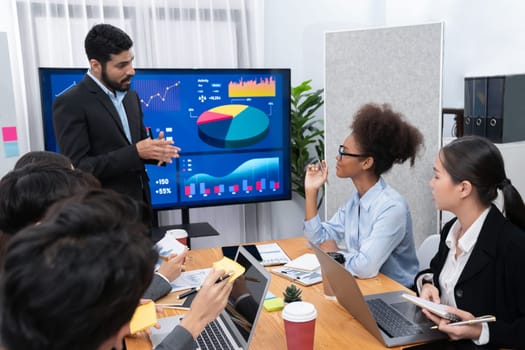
[
  {"x": 213, "y": 337},
  {"x": 390, "y": 321}
]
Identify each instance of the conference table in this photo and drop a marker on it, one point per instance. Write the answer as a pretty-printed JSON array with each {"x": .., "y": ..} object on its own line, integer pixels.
[{"x": 335, "y": 328}]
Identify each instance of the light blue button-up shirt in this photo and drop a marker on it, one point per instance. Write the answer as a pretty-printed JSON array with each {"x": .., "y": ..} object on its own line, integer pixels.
[
  {"x": 116, "y": 98},
  {"x": 377, "y": 230}
]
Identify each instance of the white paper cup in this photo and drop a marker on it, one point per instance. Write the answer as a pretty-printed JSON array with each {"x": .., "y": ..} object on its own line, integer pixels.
[
  {"x": 179, "y": 234},
  {"x": 299, "y": 325}
]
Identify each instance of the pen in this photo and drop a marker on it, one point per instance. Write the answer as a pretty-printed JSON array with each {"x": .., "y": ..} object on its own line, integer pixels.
[
  {"x": 196, "y": 289},
  {"x": 150, "y": 133},
  {"x": 481, "y": 319}
]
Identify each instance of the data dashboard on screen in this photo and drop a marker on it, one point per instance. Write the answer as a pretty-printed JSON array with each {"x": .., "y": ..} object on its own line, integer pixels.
[{"x": 232, "y": 125}]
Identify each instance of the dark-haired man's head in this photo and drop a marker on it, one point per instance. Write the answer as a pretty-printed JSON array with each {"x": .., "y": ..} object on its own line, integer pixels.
[
  {"x": 74, "y": 280},
  {"x": 26, "y": 193},
  {"x": 108, "y": 49},
  {"x": 44, "y": 158}
]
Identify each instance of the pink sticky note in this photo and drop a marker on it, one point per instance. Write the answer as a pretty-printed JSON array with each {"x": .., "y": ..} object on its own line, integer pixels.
[{"x": 9, "y": 134}]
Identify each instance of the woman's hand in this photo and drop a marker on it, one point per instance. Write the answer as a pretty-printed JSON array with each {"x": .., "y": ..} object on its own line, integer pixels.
[
  {"x": 456, "y": 332},
  {"x": 316, "y": 175},
  {"x": 430, "y": 292}
]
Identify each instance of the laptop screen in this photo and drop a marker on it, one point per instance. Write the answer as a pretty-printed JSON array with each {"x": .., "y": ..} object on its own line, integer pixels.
[{"x": 247, "y": 295}]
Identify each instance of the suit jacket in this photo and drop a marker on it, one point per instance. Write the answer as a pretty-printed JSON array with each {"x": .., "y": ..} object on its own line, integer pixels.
[
  {"x": 158, "y": 288},
  {"x": 178, "y": 339},
  {"x": 492, "y": 281},
  {"x": 89, "y": 131}
]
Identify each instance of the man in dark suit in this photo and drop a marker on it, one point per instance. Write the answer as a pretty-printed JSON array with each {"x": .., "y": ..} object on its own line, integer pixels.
[{"x": 98, "y": 123}]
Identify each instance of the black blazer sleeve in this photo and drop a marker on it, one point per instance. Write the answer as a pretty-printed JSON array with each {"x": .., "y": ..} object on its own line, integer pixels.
[
  {"x": 492, "y": 281},
  {"x": 89, "y": 131}
]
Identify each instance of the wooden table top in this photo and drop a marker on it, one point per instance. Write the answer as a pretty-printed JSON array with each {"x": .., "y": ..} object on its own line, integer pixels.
[{"x": 335, "y": 327}]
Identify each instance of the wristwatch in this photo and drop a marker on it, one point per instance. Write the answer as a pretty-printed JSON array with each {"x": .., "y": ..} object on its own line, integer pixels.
[
  {"x": 427, "y": 279},
  {"x": 340, "y": 258}
]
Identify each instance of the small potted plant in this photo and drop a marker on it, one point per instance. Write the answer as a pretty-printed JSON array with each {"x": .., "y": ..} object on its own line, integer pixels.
[{"x": 292, "y": 293}]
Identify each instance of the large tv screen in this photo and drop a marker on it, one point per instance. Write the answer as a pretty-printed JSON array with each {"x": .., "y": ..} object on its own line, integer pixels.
[{"x": 233, "y": 126}]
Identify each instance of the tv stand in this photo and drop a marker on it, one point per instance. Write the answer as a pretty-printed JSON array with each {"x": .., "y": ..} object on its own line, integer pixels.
[{"x": 196, "y": 229}]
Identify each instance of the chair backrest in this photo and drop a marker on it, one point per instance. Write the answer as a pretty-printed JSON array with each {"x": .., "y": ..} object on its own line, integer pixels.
[{"x": 427, "y": 250}]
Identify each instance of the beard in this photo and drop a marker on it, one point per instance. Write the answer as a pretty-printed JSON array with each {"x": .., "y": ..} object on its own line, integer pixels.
[{"x": 114, "y": 85}]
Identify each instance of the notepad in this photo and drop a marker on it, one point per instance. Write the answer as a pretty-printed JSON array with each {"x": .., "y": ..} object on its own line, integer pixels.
[
  {"x": 438, "y": 309},
  {"x": 272, "y": 254},
  {"x": 306, "y": 262},
  {"x": 274, "y": 304},
  {"x": 145, "y": 316},
  {"x": 305, "y": 278},
  {"x": 228, "y": 265}
]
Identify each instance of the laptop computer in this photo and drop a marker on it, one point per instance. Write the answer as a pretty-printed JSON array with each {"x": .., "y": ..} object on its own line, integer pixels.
[
  {"x": 235, "y": 326},
  {"x": 389, "y": 318}
]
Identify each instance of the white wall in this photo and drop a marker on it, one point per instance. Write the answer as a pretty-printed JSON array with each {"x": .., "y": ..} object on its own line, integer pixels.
[
  {"x": 294, "y": 38},
  {"x": 481, "y": 37},
  {"x": 8, "y": 25}
]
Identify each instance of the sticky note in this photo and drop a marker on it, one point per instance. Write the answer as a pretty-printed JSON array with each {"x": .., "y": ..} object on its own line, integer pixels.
[
  {"x": 274, "y": 304},
  {"x": 228, "y": 265},
  {"x": 269, "y": 295},
  {"x": 11, "y": 149},
  {"x": 9, "y": 134},
  {"x": 145, "y": 316}
]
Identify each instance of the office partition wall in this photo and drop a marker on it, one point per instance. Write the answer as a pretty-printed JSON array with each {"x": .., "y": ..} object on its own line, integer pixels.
[{"x": 401, "y": 66}]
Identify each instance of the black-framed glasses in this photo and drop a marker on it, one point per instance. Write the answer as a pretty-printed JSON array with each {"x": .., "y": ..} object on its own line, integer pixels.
[{"x": 342, "y": 152}]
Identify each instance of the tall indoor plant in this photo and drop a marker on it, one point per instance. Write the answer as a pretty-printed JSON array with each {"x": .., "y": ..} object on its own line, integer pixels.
[{"x": 307, "y": 133}]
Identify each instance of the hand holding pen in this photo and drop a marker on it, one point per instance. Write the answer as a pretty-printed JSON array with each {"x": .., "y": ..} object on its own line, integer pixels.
[
  {"x": 208, "y": 303},
  {"x": 196, "y": 289},
  {"x": 470, "y": 328},
  {"x": 480, "y": 319}
]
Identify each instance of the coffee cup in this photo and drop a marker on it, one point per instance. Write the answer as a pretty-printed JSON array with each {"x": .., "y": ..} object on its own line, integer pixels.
[
  {"x": 179, "y": 234},
  {"x": 327, "y": 289},
  {"x": 299, "y": 325}
]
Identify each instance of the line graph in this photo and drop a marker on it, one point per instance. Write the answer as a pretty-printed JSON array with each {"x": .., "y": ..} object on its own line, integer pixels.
[
  {"x": 67, "y": 88},
  {"x": 165, "y": 96}
]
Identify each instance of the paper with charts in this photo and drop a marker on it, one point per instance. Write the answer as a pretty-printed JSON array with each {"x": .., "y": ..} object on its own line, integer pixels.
[{"x": 190, "y": 279}]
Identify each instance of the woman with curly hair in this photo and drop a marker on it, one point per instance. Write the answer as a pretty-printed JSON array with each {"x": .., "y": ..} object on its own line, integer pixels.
[{"x": 375, "y": 223}]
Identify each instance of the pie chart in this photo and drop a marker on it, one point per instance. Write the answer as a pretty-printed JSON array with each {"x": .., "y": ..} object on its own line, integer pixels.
[{"x": 233, "y": 126}]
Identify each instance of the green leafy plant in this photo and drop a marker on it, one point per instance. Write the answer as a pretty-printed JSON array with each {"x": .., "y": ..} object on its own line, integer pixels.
[
  {"x": 292, "y": 293},
  {"x": 307, "y": 133}
]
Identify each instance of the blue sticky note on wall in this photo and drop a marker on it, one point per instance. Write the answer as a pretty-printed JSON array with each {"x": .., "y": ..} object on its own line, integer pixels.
[{"x": 11, "y": 149}]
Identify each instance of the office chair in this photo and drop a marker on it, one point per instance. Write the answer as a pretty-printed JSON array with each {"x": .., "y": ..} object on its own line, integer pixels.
[{"x": 427, "y": 250}]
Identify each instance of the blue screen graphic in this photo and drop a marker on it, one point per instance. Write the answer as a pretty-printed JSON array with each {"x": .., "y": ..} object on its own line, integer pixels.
[{"x": 231, "y": 124}]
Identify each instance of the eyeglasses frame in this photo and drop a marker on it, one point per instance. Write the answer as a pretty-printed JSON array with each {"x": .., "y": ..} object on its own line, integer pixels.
[{"x": 355, "y": 155}]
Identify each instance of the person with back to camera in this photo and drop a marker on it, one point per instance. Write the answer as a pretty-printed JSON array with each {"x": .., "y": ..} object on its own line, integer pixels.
[
  {"x": 477, "y": 269},
  {"x": 375, "y": 223},
  {"x": 27, "y": 192},
  {"x": 98, "y": 122},
  {"x": 44, "y": 157},
  {"x": 43, "y": 178},
  {"x": 74, "y": 280}
]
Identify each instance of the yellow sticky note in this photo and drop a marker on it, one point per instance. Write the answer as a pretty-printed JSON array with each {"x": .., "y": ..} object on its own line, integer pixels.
[
  {"x": 228, "y": 265},
  {"x": 144, "y": 317},
  {"x": 274, "y": 304}
]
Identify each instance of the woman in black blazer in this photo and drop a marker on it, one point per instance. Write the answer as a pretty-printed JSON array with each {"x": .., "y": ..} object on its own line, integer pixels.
[{"x": 477, "y": 268}]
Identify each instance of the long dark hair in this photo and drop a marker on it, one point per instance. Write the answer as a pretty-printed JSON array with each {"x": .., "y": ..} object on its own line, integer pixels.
[{"x": 479, "y": 161}]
